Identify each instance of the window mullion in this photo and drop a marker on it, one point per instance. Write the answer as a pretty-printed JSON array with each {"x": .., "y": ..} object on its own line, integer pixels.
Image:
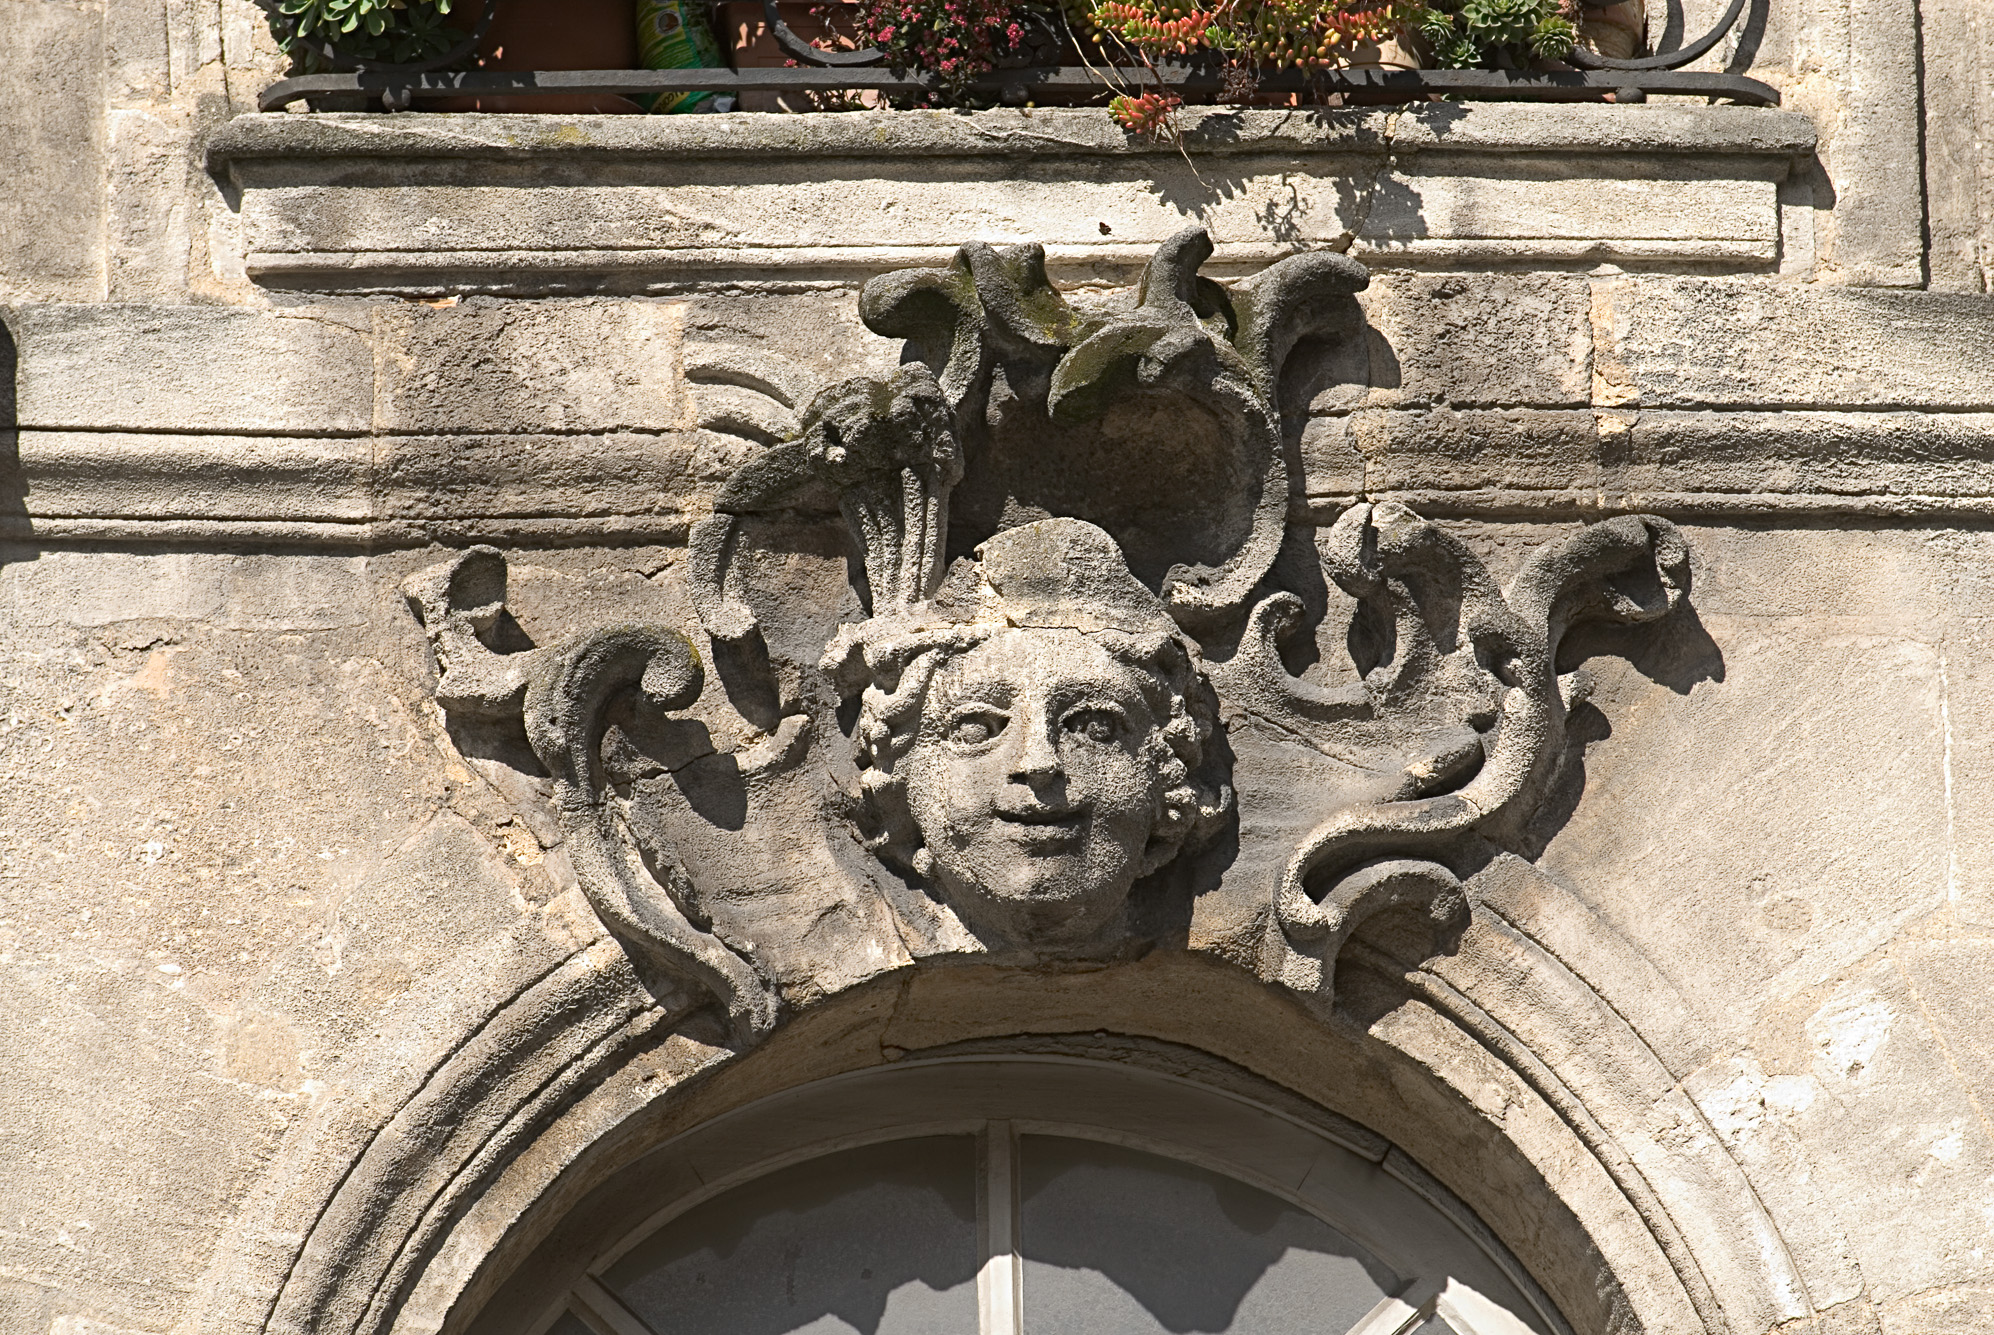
[{"x": 997, "y": 1277}]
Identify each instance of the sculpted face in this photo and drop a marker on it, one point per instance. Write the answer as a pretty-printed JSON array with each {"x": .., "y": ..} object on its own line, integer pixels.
[{"x": 1034, "y": 784}]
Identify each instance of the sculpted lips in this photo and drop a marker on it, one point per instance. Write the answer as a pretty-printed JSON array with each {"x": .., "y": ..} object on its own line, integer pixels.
[
  {"x": 1044, "y": 830},
  {"x": 1043, "y": 815}
]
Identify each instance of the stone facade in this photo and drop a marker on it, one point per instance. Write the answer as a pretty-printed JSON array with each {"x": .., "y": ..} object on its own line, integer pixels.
[{"x": 327, "y": 999}]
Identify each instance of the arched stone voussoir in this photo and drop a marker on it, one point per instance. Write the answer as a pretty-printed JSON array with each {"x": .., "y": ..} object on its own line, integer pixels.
[
  {"x": 1452, "y": 1109},
  {"x": 358, "y": 1182}
]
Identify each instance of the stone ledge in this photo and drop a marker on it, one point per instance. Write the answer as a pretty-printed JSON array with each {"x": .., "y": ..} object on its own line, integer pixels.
[
  {"x": 548, "y": 204},
  {"x": 619, "y": 489},
  {"x": 1514, "y": 127},
  {"x": 1684, "y": 464}
]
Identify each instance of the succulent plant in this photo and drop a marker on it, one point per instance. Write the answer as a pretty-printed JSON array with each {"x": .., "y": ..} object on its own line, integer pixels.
[
  {"x": 1465, "y": 34},
  {"x": 398, "y": 32}
]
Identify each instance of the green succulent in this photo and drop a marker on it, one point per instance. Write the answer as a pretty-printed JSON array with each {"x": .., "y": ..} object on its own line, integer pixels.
[
  {"x": 399, "y": 32},
  {"x": 1466, "y": 34}
]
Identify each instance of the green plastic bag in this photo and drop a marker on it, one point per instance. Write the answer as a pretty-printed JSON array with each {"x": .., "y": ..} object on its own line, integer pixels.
[{"x": 673, "y": 35}]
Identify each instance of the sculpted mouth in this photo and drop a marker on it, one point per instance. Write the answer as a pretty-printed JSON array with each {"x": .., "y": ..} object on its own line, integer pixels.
[{"x": 1057, "y": 817}]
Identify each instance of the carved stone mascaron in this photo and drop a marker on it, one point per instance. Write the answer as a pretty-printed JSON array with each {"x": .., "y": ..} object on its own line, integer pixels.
[{"x": 1060, "y": 719}]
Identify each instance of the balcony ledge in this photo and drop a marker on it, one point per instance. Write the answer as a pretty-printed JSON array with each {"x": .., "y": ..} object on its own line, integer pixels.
[{"x": 533, "y": 204}]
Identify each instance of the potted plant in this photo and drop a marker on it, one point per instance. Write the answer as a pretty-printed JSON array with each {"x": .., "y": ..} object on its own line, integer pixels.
[
  {"x": 1250, "y": 35},
  {"x": 1496, "y": 34},
  {"x": 390, "y": 32},
  {"x": 519, "y": 35},
  {"x": 1616, "y": 29}
]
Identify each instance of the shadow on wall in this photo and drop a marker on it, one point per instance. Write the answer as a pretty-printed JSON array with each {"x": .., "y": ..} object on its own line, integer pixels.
[
  {"x": 13, "y": 486},
  {"x": 1371, "y": 199},
  {"x": 1676, "y": 652}
]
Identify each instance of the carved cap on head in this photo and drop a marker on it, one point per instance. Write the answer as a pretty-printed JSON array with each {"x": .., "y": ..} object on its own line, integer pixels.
[{"x": 1056, "y": 573}]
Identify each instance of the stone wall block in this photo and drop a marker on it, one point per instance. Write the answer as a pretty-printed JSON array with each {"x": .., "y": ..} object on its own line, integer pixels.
[
  {"x": 1674, "y": 843},
  {"x": 249, "y": 53},
  {"x": 1958, "y": 50},
  {"x": 101, "y": 474},
  {"x": 1695, "y": 342},
  {"x": 1875, "y": 1095},
  {"x": 1878, "y": 181},
  {"x": 52, "y": 151},
  {"x": 75, "y": 589},
  {"x": 1478, "y": 340},
  {"x": 618, "y": 473},
  {"x": 1956, "y": 564},
  {"x": 1440, "y": 205},
  {"x": 494, "y": 366},
  {"x": 1332, "y": 465},
  {"x": 508, "y": 205},
  {"x": 1449, "y": 450},
  {"x": 1855, "y": 455},
  {"x": 137, "y": 66},
  {"x": 148, "y": 229},
  {"x": 192, "y": 368},
  {"x": 1851, "y": 67}
]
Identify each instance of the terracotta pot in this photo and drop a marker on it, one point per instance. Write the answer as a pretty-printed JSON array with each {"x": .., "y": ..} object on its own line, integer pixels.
[
  {"x": 1617, "y": 31},
  {"x": 556, "y": 35},
  {"x": 1402, "y": 52}
]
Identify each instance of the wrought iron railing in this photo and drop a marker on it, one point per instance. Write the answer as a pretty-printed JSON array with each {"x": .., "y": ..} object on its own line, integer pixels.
[{"x": 394, "y": 87}]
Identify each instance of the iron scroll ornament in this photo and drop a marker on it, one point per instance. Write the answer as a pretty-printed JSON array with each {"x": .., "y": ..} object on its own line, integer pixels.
[
  {"x": 797, "y": 48},
  {"x": 1055, "y": 720},
  {"x": 399, "y": 86},
  {"x": 1660, "y": 60}
]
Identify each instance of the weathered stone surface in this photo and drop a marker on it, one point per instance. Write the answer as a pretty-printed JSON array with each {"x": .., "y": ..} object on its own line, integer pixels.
[
  {"x": 1958, "y": 52},
  {"x": 1874, "y": 456},
  {"x": 1843, "y": 878},
  {"x": 495, "y": 203},
  {"x": 1446, "y": 207},
  {"x": 1477, "y": 341},
  {"x": 1693, "y": 342},
  {"x": 51, "y": 151},
  {"x": 227, "y": 920},
  {"x": 619, "y": 474},
  {"x": 118, "y": 367},
  {"x": 285, "y": 955},
  {"x": 1448, "y": 450},
  {"x": 564, "y": 366},
  {"x": 119, "y": 475},
  {"x": 1865, "y": 116}
]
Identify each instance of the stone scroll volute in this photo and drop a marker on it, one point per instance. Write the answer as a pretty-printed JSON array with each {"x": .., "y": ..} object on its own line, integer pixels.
[{"x": 1057, "y": 720}]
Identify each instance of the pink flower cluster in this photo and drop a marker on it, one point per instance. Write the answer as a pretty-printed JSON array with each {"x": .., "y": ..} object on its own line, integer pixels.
[{"x": 956, "y": 40}]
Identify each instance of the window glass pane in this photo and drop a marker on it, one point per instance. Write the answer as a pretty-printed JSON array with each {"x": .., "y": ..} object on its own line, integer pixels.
[
  {"x": 1117, "y": 1242},
  {"x": 879, "y": 1240}
]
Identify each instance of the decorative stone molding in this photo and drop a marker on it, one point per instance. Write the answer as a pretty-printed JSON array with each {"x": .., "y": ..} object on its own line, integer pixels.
[
  {"x": 1074, "y": 593},
  {"x": 547, "y": 204}
]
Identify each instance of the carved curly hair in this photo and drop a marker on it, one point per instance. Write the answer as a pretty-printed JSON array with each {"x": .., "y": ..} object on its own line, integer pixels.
[{"x": 901, "y": 667}]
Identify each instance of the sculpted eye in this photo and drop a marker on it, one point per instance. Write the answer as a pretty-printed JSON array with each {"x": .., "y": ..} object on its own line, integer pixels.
[
  {"x": 1096, "y": 725},
  {"x": 974, "y": 727}
]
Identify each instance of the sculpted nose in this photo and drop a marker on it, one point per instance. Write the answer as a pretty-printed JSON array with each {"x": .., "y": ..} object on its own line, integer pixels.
[{"x": 1035, "y": 757}]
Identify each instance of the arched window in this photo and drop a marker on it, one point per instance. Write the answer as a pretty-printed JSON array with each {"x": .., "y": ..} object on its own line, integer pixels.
[{"x": 1018, "y": 1196}]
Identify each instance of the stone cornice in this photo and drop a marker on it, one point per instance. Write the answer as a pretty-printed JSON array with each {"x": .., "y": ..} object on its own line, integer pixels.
[
  {"x": 531, "y": 205},
  {"x": 1489, "y": 127}
]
